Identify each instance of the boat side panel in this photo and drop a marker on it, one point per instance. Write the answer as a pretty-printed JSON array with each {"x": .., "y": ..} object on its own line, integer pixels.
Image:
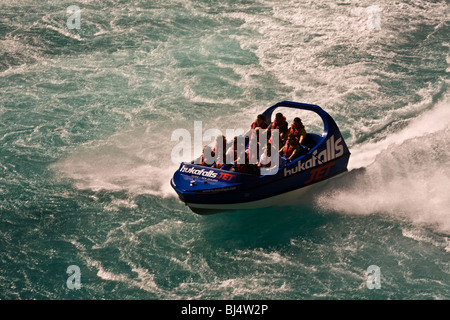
[{"x": 292, "y": 180}]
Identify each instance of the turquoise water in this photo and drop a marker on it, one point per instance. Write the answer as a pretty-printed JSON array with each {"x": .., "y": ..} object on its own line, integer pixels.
[{"x": 85, "y": 151}]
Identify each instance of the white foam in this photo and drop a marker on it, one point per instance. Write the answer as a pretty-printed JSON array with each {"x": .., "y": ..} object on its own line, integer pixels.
[
  {"x": 421, "y": 236},
  {"x": 284, "y": 50},
  {"x": 406, "y": 175},
  {"x": 434, "y": 120},
  {"x": 134, "y": 161},
  {"x": 326, "y": 55},
  {"x": 261, "y": 257},
  {"x": 144, "y": 281}
]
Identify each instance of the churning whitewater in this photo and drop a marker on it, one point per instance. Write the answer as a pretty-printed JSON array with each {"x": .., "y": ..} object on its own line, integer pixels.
[{"x": 89, "y": 101}]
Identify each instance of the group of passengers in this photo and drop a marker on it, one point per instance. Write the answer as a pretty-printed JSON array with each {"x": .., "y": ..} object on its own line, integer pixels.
[{"x": 290, "y": 140}]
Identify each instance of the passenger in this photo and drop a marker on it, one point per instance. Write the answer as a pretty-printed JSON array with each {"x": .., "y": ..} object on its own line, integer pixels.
[
  {"x": 233, "y": 149},
  {"x": 252, "y": 155},
  {"x": 281, "y": 124},
  {"x": 241, "y": 162},
  {"x": 252, "y": 166},
  {"x": 298, "y": 130},
  {"x": 264, "y": 159},
  {"x": 239, "y": 166},
  {"x": 232, "y": 152},
  {"x": 291, "y": 149},
  {"x": 220, "y": 158},
  {"x": 220, "y": 139},
  {"x": 259, "y": 123},
  {"x": 206, "y": 159}
]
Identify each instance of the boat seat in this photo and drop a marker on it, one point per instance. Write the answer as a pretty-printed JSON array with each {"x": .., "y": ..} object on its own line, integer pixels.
[{"x": 311, "y": 140}]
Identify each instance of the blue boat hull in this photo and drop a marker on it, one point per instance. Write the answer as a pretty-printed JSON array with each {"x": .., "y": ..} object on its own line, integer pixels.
[
  {"x": 240, "y": 196},
  {"x": 207, "y": 190}
]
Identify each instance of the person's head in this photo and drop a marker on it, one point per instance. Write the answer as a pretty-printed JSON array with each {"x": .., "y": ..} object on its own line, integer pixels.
[
  {"x": 207, "y": 155},
  {"x": 279, "y": 117},
  {"x": 207, "y": 150},
  {"x": 297, "y": 122},
  {"x": 221, "y": 138},
  {"x": 260, "y": 119}
]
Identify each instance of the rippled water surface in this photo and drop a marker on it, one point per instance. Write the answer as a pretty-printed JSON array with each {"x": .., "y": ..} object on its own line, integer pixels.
[{"x": 86, "y": 121}]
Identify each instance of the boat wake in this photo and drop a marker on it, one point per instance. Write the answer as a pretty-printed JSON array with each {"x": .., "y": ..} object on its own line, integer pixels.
[
  {"x": 406, "y": 175},
  {"x": 135, "y": 162}
]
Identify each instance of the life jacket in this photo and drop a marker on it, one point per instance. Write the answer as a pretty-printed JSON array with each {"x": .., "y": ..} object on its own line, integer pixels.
[
  {"x": 205, "y": 157},
  {"x": 289, "y": 149},
  {"x": 218, "y": 164},
  {"x": 242, "y": 167},
  {"x": 283, "y": 126},
  {"x": 296, "y": 132},
  {"x": 252, "y": 156},
  {"x": 255, "y": 124},
  {"x": 264, "y": 158}
]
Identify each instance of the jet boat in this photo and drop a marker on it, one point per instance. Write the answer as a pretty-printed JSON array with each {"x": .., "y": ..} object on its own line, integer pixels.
[{"x": 207, "y": 190}]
